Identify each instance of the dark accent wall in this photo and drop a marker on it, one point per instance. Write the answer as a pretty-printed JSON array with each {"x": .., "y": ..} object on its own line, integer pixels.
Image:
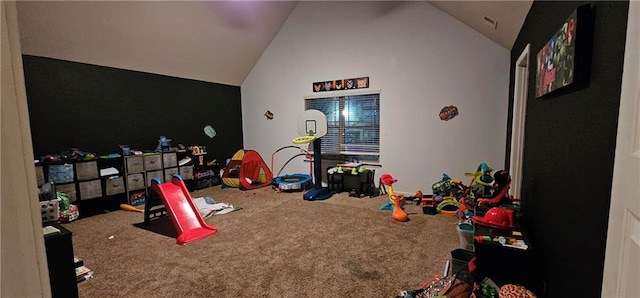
[
  {"x": 570, "y": 140},
  {"x": 97, "y": 108}
]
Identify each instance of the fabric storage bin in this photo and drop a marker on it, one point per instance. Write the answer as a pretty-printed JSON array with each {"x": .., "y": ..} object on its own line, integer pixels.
[
  {"x": 90, "y": 189},
  {"x": 186, "y": 172},
  {"x": 152, "y": 162},
  {"x": 69, "y": 190},
  {"x": 135, "y": 181},
  {"x": 169, "y": 160},
  {"x": 114, "y": 186},
  {"x": 168, "y": 173},
  {"x": 87, "y": 170},
  {"x": 40, "y": 176},
  {"x": 61, "y": 173}
]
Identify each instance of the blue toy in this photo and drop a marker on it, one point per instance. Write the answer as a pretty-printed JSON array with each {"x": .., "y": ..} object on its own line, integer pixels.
[{"x": 163, "y": 145}]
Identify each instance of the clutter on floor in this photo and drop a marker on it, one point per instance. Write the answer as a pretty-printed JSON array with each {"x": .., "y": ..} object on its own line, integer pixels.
[{"x": 208, "y": 207}]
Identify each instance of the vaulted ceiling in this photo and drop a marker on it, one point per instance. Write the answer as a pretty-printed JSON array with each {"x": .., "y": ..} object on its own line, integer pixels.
[{"x": 225, "y": 38}]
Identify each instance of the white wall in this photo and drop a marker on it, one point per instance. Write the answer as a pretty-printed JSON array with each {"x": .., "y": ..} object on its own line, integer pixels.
[{"x": 419, "y": 57}]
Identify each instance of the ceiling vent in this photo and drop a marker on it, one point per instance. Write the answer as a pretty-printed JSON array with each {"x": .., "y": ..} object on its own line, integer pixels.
[{"x": 490, "y": 22}]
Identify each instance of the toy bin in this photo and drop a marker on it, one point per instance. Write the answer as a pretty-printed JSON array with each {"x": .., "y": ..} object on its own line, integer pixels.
[
  {"x": 460, "y": 259},
  {"x": 50, "y": 210},
  {"x": 61, "y": 173},
  {"x": 465, "y": 234}
]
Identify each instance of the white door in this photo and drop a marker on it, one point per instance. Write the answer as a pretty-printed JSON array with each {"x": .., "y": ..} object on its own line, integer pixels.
[{"x": 622, "y": 259}]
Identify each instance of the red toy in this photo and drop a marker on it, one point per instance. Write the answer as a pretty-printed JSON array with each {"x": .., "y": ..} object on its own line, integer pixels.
[{"x": 189, "y": 224}]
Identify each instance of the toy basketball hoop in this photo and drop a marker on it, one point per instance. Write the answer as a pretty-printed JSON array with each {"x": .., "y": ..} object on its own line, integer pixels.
[
  {"x": 312, "y": 126},
  {"x": 312, "y": 123},
  {"x": 303, "y": 140}
]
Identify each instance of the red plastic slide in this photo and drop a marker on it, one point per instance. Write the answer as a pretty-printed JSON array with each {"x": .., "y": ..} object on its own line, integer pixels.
[{"x": 183, "y": 212}]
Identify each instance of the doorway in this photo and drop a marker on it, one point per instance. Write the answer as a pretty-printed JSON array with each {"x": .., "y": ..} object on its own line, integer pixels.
[{"x": 520, "y": 91}]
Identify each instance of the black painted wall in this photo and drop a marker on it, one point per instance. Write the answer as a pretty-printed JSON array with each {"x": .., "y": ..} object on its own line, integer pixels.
[
  {"x": 96, "y": 108},
  {"x": 569, "y": 151}
]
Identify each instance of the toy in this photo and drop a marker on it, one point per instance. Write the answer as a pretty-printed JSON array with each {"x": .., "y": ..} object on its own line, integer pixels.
[
  {"x": 292, "y": 182},
  {"x": 186, "y": 218},
  {"x": 500, "y": 189},
  {"x": 448, "y": 206},
  {"x": 449, "y": 187},
  {"x": 396, "y": 200},
  {"x": 428, "y": 205},
  {"x": 163, "y": 144},
  {"x": 497, "y": 217},
  {"x": 128, "y": 207},
  {"x": 398, "y": 213},
  {"x": 312, "y": 125},
  {"x": 481, "y": 182},
  {"x": 209, "y": 131}
]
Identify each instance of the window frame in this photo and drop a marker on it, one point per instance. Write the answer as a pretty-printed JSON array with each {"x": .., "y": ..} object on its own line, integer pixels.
[{"x": 349, "y": 155}]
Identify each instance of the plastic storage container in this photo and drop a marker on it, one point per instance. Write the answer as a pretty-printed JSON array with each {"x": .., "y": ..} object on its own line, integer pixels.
[
  {"x": 50, "y": 210},
  {"x": 465, "y": 233},
  {"x": 460, "y": 259}
]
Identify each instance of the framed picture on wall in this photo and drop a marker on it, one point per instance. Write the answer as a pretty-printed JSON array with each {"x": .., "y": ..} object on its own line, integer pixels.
[{"x": 564, "y": 60}]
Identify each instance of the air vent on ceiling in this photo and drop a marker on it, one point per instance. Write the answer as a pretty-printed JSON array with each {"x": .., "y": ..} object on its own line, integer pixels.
[{"x": 490, "y": 22}]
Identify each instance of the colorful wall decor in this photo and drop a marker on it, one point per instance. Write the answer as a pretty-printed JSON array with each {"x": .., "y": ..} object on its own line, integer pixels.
[
  {"x": 564, "y": 59},
  {"x": 449, "y": 112},
  {"x": 342, "y": 84}
]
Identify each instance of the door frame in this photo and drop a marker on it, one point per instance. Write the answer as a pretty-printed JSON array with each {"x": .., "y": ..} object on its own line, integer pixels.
[
  {"x": 520, "y": 90},
  {"x": 622, "y": 254}
]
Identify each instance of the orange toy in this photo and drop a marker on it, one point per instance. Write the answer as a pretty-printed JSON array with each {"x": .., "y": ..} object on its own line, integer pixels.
[
  {"x": 398, "y": 213},
  {"x": 130, "y": 208}
]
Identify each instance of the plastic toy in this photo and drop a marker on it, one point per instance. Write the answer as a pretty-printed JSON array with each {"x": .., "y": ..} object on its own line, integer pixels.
[
  {"x": 396, "y": 200},
  {"x": 428, "y": 205},
  {"x": 209, "y": 131},
  {"x": 497, "y": 217},
  {"x": 292, "y": 182},
  {"x": 500, "y": 189},
  {"x": 481, "y": 182},
  {"x": 398, "y": 213},
  {"x": 128, "y": 207},
  {"x": 448, "y": 206},
  {"x": 449, "y": 187},
  {"x": 164, "y": 144},
  {"x": 186, "y": 218},
  {"x": 312, "y": 126}
]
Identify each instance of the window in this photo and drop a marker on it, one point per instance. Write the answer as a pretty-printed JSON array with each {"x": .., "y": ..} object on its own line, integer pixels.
[{"x": 353, "y": 126}]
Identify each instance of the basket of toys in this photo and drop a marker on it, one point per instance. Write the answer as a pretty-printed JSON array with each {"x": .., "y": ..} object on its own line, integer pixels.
[{"x": 50, "y": 210}]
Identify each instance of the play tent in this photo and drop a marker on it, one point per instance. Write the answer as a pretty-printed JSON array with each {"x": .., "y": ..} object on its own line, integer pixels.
[{"x": 246, "y": 170}]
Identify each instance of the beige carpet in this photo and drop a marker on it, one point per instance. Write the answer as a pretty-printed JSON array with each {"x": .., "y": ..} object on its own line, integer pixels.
[{"x": 278, "y": 245}]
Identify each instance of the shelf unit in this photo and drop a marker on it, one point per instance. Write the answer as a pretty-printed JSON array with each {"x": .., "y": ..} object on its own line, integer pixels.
[
  {"x": 154, "y": 206},
  {"x": 140, "y": 169},
  {"x": 81, "y": 181}
]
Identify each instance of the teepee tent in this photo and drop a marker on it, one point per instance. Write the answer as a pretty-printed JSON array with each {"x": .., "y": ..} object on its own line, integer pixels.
[{"x": 246, "y": 170}]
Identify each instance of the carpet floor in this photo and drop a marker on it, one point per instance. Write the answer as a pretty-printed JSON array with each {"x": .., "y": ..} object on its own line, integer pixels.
[{"x": 278, "y": 245}]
